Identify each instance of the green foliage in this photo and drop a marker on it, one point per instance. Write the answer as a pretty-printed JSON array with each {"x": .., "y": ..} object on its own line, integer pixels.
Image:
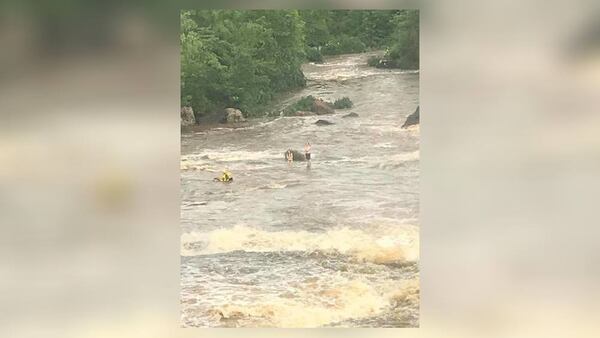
[
  {"x": 314, "y": 55},
  {"x": 316, "y": 27},
  {"x": 304, "y": 104},
  {"x": 348, "y": 31},
  {"x": 343, "y": 103},
  {"x": 244, "y": 58},
  {"x": 377, "y": 27},
  {"x": 343, "y": 45},
  {"x": 404, "y": 52},
  {"x": 239, "y": 59}
]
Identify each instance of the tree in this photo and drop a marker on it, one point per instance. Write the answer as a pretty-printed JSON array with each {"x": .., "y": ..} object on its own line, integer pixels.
[
  {"x": 239, "y": 59},
  {"x": 316, "y": 27},
  {"x": 405, "y": 48},
  {"x": 242, "y": 59}
]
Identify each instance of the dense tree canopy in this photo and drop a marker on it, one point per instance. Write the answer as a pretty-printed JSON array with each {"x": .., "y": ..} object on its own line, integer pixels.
[
  {"x": 239, "y": 58},
  {"x": 242, "y": 59},
  {"x": 405, "y": 40}
]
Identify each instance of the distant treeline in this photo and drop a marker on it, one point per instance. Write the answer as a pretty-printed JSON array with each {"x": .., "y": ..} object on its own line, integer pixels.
[{"x": 242, "y": 59}]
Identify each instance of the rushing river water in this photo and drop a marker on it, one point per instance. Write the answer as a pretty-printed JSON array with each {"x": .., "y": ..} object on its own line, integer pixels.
[{"x": 333, "y": 244}]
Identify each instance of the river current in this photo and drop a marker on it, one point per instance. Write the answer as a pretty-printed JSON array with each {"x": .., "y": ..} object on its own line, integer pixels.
[{"x": 333, "y": 244}]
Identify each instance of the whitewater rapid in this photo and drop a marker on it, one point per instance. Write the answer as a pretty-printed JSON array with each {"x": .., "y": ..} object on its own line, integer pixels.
[{"x": 333, "y": 244}]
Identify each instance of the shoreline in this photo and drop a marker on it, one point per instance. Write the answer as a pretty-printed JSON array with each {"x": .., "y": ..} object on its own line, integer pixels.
[{"x": 277, "y": 100}]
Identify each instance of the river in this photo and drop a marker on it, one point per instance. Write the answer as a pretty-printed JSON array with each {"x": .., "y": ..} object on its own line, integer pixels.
[{"x": 333, "y": 244}]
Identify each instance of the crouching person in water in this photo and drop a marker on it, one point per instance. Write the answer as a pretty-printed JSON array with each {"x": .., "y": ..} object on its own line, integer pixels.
[{"x": 225, "y": 177}]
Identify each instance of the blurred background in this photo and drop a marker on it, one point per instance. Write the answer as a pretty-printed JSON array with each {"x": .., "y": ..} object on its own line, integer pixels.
[{"x": 89, "y": 168}]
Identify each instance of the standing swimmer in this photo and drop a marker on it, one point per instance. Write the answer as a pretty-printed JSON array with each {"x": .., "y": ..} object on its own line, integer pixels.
[
  {"x": 307, "y": 151},
  {"x": 290, "y": 156}
]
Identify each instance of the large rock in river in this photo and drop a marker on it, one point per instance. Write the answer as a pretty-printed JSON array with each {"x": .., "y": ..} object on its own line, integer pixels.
[
  {"x": 412, "y": 119},
  {"x": 234, "y": 115},
  {"x": 211, "y": 118},
  {"x": 187, "y": 116},
  {"x": 323, "y": 123},
  {"x": 321, "y": 107}
]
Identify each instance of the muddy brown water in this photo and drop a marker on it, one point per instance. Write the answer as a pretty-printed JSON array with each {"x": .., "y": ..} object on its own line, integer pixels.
[{"x": 330, "y": 244}]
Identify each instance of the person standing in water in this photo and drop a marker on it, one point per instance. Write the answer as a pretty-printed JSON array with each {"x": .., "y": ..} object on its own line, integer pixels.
[
  {"x": 307, "y": 151},
  {"x": 290, "y": 156}
]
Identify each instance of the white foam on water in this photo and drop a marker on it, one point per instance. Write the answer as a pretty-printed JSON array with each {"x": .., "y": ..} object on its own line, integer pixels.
[
  {"x": 403, "y": 157},
  {"x": 216, "y": 160},
  {"x": 385, "y": 128},
  {"x": 384, "y": 145},
  {"x": 349, "y": 299},
  {"x": 374, "y": 254},
  {"x": 395, "y": 244},
  {"x": 314, "y": 302}
]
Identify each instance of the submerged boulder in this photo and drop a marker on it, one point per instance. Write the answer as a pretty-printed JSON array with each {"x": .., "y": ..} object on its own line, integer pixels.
[
  {"x": 323, "y": 123},
  {"x": 234, "y": 115},
  {"x": 298, "y": 156},
  {"x": 350, "y": 115},
  {"x": 412, "y": 119},
  {"x": 321, "y": 107},
  {"x": 187, "y": 116}
]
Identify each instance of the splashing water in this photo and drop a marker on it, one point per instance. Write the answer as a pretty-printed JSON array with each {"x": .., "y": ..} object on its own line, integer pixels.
[{"x": 333, "y": 244}]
